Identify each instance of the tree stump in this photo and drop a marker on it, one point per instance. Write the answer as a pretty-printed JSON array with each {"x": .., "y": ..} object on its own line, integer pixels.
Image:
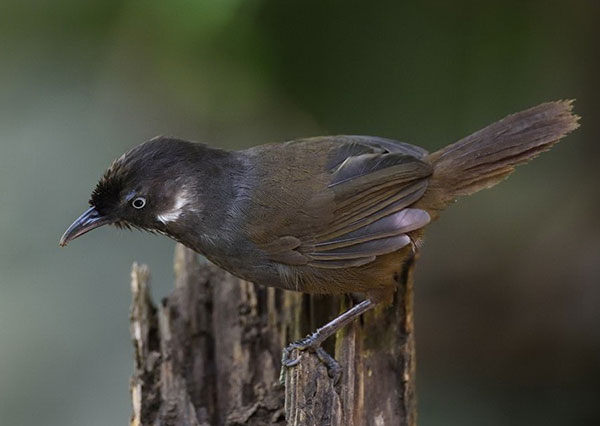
[{"x": 210, "y": 354}]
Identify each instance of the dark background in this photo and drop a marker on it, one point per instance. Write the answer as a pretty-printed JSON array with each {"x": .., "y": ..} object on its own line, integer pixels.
[{"x": 507, "y": 289}]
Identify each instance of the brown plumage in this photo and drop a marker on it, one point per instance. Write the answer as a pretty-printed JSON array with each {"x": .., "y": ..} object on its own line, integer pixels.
[
  {"x": 356, "y": 222},
  {"x": 330, "y": 215},
  {"x": 486, "y": 157}
]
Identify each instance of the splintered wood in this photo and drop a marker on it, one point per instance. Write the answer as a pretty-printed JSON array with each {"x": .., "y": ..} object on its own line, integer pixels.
[{"x": 210, "y": 354}]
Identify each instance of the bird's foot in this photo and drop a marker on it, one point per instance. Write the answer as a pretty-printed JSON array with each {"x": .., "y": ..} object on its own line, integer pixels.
[
  {"x": 310, "y": 343},
  {"x": 313, "y": 341},
  {"x": 306, "y": 343},
  {"x": 333, "y": 367}
]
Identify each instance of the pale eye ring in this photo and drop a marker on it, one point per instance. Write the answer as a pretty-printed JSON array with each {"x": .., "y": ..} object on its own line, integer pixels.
[{"x": 138, "y": 203}]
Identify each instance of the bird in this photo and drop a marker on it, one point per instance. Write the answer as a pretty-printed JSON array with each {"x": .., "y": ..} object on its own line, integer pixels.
[{"x": 327, "y": 215}]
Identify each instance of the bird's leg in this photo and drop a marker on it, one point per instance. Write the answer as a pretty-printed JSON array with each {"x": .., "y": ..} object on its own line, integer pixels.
[{"x": 313, "y": 341}]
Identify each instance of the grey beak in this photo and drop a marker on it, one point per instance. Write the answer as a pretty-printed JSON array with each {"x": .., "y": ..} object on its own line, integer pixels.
[{"x": 90, "y": 219}]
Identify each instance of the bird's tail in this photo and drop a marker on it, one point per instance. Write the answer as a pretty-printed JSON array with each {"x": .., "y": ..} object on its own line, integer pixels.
[{"x": 486, "y": 157}]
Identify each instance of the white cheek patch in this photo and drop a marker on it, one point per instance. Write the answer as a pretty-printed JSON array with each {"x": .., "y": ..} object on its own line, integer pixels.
[
  {"x": 168, "y": 217},
  {"x": 181, "y": 200}
]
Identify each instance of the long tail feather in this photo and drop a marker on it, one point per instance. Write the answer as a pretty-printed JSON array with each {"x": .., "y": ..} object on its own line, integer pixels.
[{"x": 486, "y": 157}]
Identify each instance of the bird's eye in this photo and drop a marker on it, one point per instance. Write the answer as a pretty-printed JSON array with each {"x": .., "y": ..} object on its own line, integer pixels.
[{"x": 138, "y": 203}]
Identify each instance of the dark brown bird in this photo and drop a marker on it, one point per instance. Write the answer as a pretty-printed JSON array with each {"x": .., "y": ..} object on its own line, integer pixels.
[{"x": 334, "y": 214}]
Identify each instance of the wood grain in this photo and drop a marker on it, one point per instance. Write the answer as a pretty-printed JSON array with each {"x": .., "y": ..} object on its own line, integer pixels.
[{"x": 209, "y": 354}]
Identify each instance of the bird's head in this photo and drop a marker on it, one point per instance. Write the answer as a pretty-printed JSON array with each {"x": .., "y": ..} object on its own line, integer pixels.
[{"x": 148, "y": 187}]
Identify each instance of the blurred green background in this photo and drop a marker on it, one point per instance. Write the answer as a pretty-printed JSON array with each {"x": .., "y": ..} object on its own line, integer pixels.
[{"x": 508, "y": 286}]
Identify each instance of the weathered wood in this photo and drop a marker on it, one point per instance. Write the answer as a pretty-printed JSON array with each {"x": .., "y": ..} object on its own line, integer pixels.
[
  {"x": 377, "y": 354},
  {"x": 210, "y": 355}
]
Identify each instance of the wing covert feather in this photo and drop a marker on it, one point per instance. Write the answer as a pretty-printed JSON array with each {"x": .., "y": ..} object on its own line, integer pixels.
[{"x": 367, "y": 202}]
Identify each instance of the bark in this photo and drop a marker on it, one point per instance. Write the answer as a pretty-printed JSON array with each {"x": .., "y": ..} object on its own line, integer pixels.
[{"x": 210, "y": 355}]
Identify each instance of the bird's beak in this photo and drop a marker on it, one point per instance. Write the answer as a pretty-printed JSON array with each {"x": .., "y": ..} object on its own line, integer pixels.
[{"x": 90, "y": 219}]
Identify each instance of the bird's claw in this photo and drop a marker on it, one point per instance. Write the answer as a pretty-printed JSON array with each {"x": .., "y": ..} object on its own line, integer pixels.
[
  {"x": 312, "y": 344},
  {"x": 286, "y": 360},
  {"x": 333, "y": 367}
]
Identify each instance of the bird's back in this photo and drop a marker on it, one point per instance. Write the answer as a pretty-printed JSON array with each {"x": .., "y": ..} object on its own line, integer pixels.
[{"x": 338, "y": 208}]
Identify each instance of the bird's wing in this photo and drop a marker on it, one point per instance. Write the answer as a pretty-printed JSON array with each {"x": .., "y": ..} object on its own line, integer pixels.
[
  {"x": 363, "y": 211},
  {"x": 377, "y": 144}
]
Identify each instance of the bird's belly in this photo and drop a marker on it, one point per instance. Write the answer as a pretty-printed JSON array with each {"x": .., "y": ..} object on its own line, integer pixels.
[
  {"x": 256, "y": 271},
  {"x": 379, "y": 276},
  {"x": 377, "y": 279}
]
